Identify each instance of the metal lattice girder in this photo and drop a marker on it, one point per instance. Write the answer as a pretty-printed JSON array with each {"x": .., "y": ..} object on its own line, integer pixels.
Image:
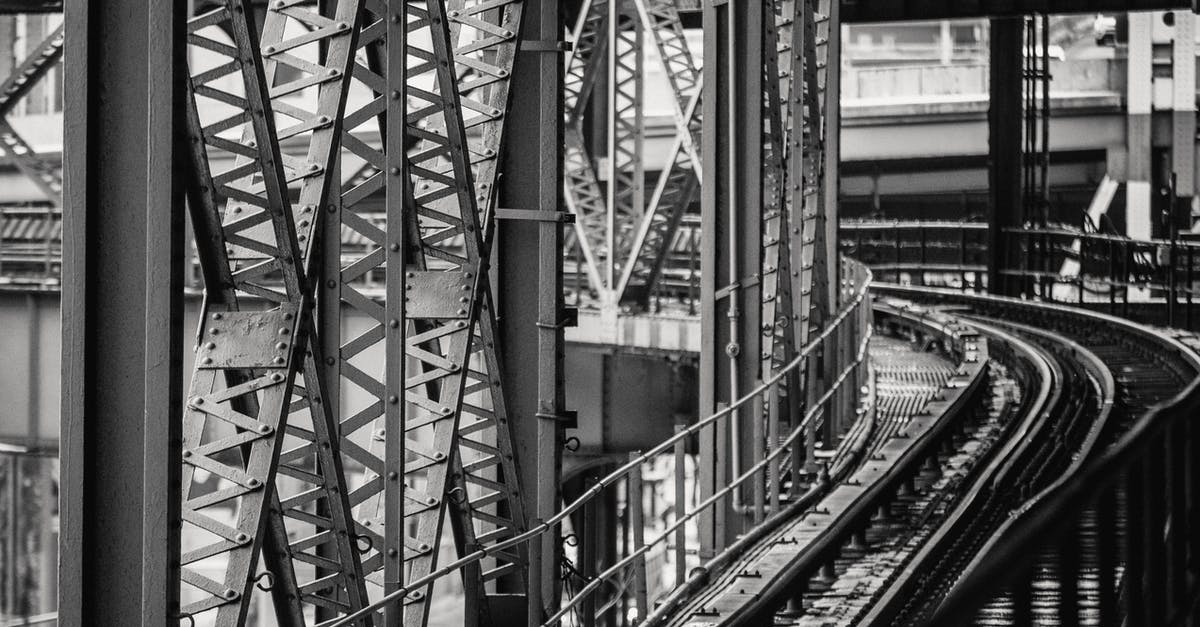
[
  {"x": 587, "y": 54},
  {"x": 460, "y": 453},
  {"x": 259, "y": 435},
  {"x": 586, "y": 199},
  {"x": 371, "y": 398},
  {"x": 804, "y": 178},
  {"x": 487, "y": 506},
  {"x": 775, "y": 276},
  {"x": 45, "y": 175},
  {"x": 626, "y": 134},
  {"x": 584, "y": 196},
  {"x": 31, "y": 70},
  {"x": 680, "y": 179}
]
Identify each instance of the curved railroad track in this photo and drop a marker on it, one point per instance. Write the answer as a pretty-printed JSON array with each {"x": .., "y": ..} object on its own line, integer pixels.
[{"x": 1132, "y": 367}]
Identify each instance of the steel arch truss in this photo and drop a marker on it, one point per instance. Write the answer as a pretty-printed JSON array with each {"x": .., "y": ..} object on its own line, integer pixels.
[{"x": 623, "y": 233}]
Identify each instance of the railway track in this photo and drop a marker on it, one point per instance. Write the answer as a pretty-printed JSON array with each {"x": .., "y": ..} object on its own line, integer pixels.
[
  {"x": 1025, "y": 382},
  {"x": 1132, "y": 368},
  {"x": 1077, "y": 382}
]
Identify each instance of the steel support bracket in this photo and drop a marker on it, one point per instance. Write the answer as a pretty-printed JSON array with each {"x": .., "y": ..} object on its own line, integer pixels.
[
  {"x": 535, "y": 216},
  {"x": 546, "y": 45},
  {"x": 569, "y": 417},
  {"x": 570, "y": 320},
  {"x": 726, "y": 291}
]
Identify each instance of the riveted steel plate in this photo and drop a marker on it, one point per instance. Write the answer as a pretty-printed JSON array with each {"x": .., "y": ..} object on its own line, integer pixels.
[
  {"x": 438, "y": 295},
  {"x": 247, "y": 339}
]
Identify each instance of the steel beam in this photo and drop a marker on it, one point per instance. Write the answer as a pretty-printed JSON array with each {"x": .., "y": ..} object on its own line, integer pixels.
[
  {"x": 122, "y": 314},
  {"x": 1004, "y": 140},
  {"x": 902, "y": 10},
  {"x": 731, "y": 226},
  {"x": 529, "y": 282}
]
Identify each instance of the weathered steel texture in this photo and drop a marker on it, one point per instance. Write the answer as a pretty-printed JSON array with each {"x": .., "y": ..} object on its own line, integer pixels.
[
  {"x": 778, "y": 346},
  {"x": 731, "y": 228},
  {"x": 805, "y": 181},
  {"x": 252, "y": 420},
  {"x": 529, "y": 288},
  {"x": 371, "y": 399},
  {"x": 47, "y": 176},
  {"x": 122, "y": 315},
  {"x": 460, "y": 457}
]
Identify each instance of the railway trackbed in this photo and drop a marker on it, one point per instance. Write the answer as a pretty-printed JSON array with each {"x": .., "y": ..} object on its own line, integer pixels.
[{"x": 1132, "y": 368}]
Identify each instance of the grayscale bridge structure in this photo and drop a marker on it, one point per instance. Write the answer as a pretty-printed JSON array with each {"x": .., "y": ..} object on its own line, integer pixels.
[{"x": 599, "y": 312}]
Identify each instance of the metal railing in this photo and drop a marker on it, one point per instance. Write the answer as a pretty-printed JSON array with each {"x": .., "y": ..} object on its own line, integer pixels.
[
  {"x": 30, "y": 245},
  {"x": 1153, "y": 281},
  {"x": 852, "y": 321}
]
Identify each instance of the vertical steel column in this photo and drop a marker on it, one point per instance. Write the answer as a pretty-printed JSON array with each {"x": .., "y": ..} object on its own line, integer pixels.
[
  {"x": 1138, "y": 142},
  {"x": 122, "y": 313},
  {"x": 833, "y": 141},
  {"x": 533, "y": 351},
  {"x": 731, "y": 211},
  {"x": 1183, "y": 145},
  {"x": 1004, "y": 141}
]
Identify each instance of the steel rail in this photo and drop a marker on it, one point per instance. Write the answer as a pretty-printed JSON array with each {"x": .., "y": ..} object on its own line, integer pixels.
[
  {"x": 752, "y": 612},
  {"x": 1037, "y": 414},
  {"x": 761, "y": 466},
  {"x": 811, "y": 557},
  {"x": 549, "y": 524},
  {"x": 1171, "y": 357},
  {"x": 945, "y": 296},
  {"x": 1029, "y": 530}
]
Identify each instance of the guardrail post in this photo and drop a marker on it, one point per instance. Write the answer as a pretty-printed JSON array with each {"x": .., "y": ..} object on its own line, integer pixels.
[
  {"x": 774, "y": 481},
  {"x": 721, "y": 474},
  {"x": 756, "y": 449},
  {"x": 588, "y": 542},
  {"x": 533, "y": 598},
  {"x": 680, "y": 507},
  {"x": 637, "y": 524}
]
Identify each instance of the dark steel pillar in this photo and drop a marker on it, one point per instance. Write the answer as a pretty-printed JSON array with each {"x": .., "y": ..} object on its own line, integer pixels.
[
  {"x": 833, "y": 150},
  {"x": 529, "y": 285},
  {"x": 122, "y": 313},
  {"x": 731, "y": 225},
  {"x": 1004, "y": 142}
]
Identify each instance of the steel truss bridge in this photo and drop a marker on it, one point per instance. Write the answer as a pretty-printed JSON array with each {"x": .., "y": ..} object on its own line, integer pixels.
[{"x": 390, "y": 216}]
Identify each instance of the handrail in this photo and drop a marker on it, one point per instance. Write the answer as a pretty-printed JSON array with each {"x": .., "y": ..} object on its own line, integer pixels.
[
  {"x": 728, "y": 489},
  {"x": 547, "y": 526}
]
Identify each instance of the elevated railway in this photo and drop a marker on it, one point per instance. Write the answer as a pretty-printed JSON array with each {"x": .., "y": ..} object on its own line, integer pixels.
[{"x": 386, "y": 313}]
